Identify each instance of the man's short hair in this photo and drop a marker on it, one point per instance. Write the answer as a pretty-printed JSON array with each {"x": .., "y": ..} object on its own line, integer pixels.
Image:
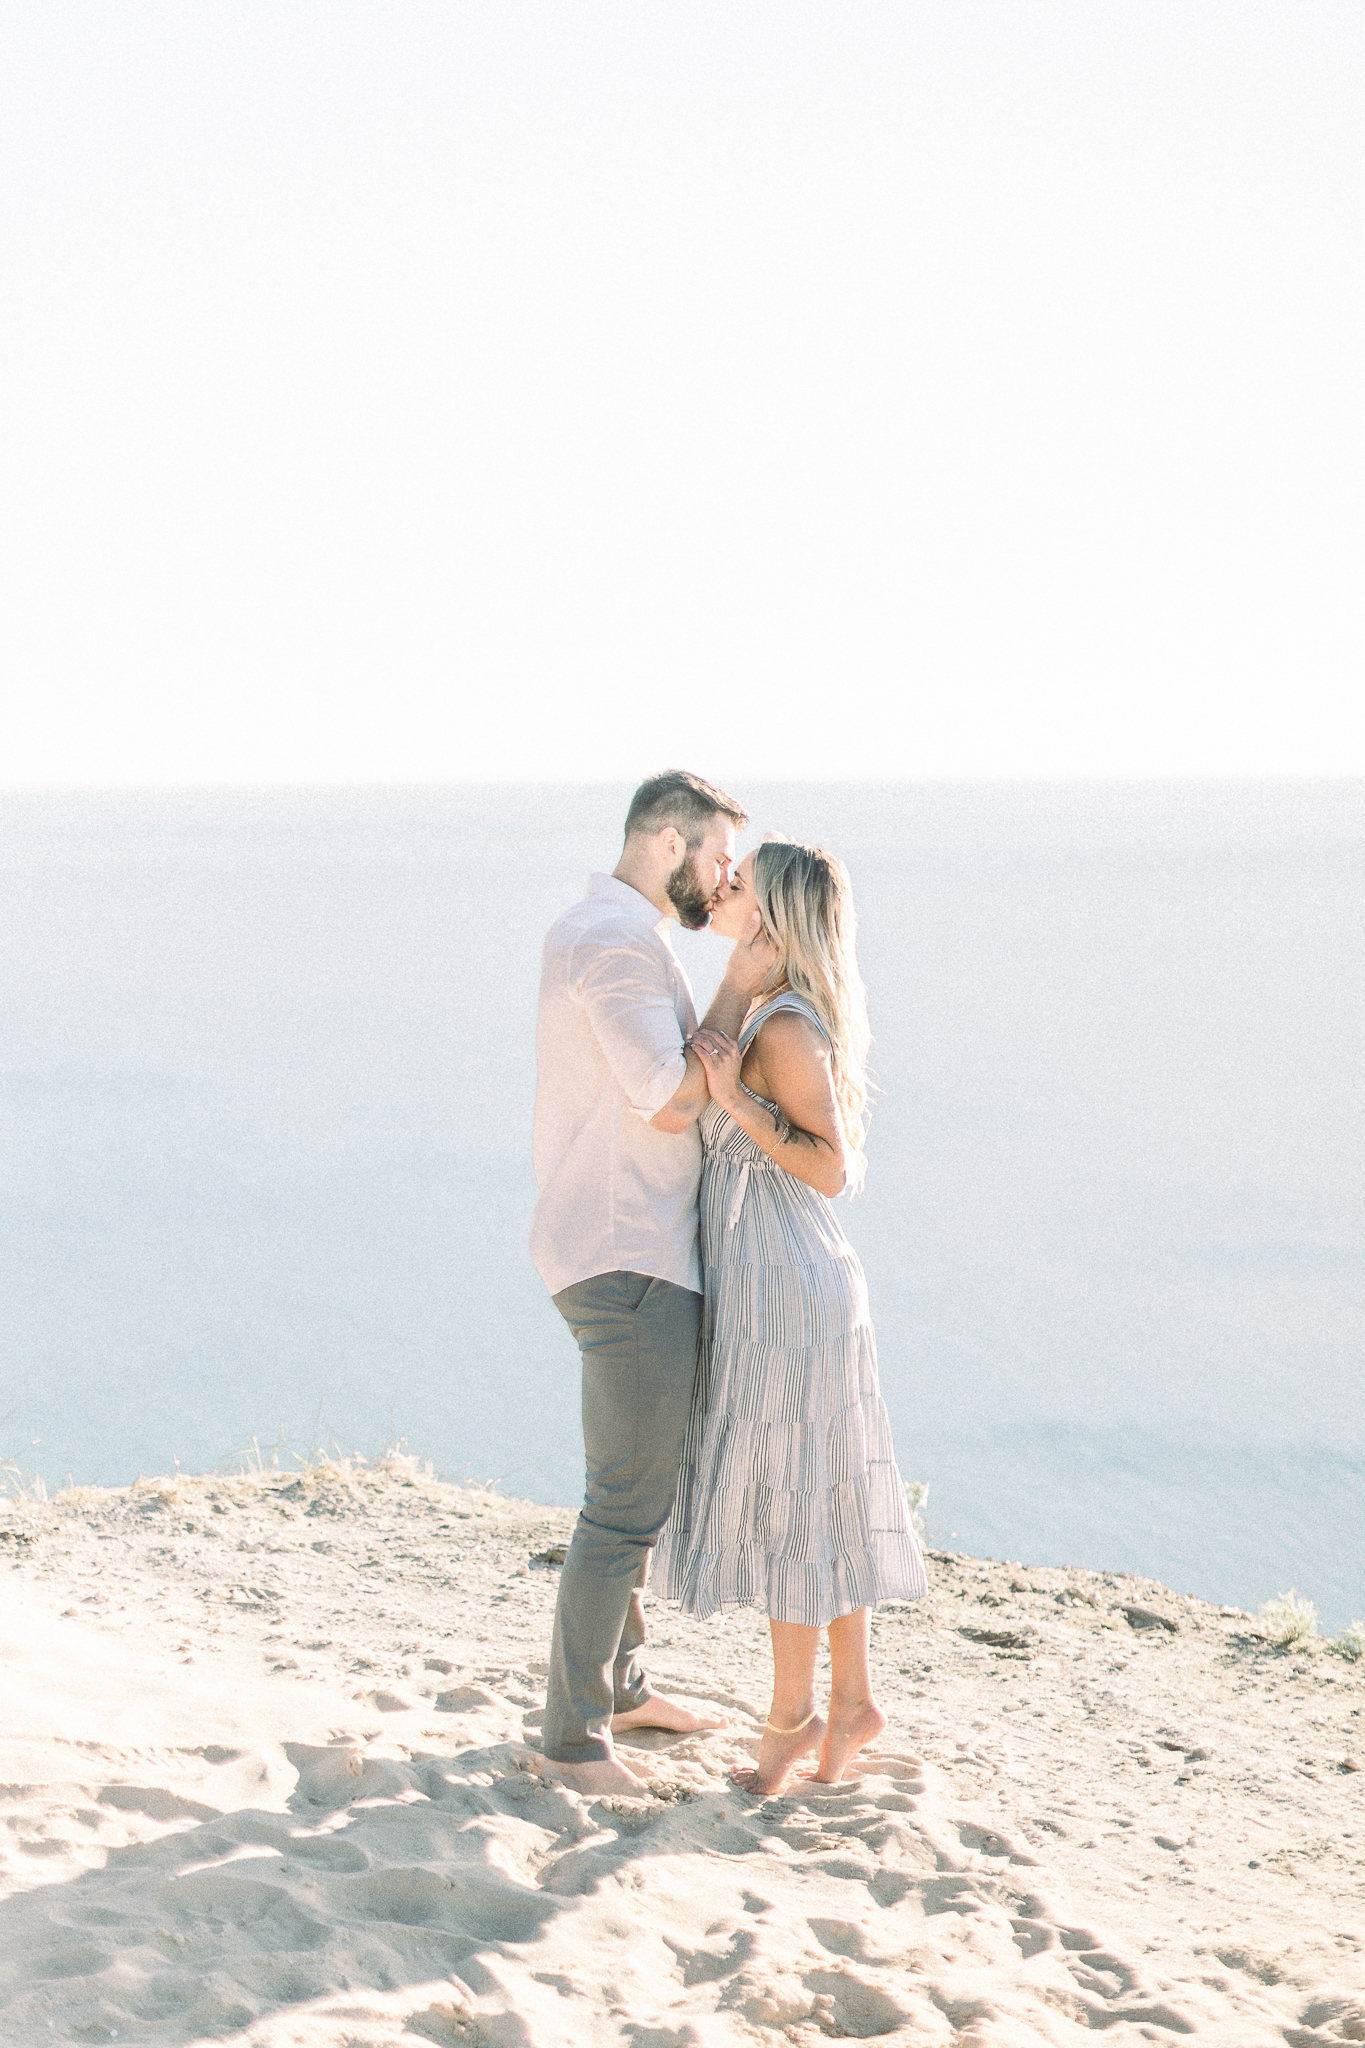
[{"x": 684, "y": 801}]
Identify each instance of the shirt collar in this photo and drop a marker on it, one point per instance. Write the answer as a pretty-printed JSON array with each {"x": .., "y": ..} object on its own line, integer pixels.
[{"x": 637, "y": 907}]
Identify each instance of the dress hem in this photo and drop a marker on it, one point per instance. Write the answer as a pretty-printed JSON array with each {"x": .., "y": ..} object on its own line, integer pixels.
[{"x": 739, "y": 1606}]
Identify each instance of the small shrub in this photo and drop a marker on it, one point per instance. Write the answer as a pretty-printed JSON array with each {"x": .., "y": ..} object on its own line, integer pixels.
[
  {"x": 917, "y": 1500},
  {"x": 1288, "y": 1619},
  {"x": 1351, "y": 1642}
]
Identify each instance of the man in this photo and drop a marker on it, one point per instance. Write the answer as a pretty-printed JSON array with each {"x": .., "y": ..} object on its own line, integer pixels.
[{"x": 618, "y": 1161}]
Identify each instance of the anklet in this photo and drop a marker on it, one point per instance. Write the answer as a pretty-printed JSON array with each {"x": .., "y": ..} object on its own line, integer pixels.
[{"x": 791, "y": 1731}]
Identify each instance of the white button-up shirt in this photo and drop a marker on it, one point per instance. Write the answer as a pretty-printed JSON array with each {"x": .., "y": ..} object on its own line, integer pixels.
[{"x": 615, "y": 1006}]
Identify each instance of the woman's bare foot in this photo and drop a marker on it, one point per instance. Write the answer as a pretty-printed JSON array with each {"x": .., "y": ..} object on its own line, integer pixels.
[
  {"x": 658, "y": 1712},
  {"x": 850, "y": 1729},
  {"x": 778, "y": 1756},
  {"x": 595, "y": 1780}
]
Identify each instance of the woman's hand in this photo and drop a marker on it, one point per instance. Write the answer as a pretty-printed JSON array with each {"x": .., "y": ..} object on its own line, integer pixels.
[
  {"x": 720, "y": 1057},
  {"x": 752, "y": 960}
]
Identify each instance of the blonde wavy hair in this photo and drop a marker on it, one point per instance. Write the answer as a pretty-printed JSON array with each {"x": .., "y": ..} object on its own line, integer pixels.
[{"x": 805, "y": 899}]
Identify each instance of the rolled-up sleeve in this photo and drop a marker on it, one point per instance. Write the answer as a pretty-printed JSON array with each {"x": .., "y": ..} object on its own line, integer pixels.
[{"x": 625, "y": 991}]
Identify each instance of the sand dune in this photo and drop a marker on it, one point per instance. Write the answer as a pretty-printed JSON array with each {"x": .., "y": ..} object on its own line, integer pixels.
[{"x": 269, "y": 1780}]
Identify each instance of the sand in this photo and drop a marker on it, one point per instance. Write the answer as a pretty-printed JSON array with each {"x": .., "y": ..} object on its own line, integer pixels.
[{"x": 269, "y": 1778}]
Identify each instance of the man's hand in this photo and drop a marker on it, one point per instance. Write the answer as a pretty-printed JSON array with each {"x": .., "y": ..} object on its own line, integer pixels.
[{"x": 751, "y": 962}]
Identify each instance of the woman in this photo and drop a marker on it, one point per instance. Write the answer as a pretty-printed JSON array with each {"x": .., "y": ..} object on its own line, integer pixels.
[{"x": 789, "y": 1498}]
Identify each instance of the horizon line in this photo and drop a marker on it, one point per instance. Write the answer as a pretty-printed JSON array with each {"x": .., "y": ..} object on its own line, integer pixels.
[{"x": 1140, "y": 779}]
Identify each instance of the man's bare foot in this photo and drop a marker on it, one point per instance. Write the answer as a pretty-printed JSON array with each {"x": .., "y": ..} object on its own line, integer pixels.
[
  {"x": 658, "y": 1712},
  {"x": 850, "y": 1729},
  {"x": 595, "y": 1780},
  {"x": 778, "y": 1756}
]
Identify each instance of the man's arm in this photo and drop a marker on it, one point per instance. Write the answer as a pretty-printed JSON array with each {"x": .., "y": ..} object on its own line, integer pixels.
[
  {"x": 743, "y": 978},
  {"x": 628, "y": 994}
]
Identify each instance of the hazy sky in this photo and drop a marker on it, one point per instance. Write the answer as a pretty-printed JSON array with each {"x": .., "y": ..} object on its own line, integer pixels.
[{"x": 408, "y": 392}]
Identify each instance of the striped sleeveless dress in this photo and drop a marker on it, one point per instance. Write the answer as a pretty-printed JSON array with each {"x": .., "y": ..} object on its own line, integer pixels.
[{"x": 788, "y": 1497}]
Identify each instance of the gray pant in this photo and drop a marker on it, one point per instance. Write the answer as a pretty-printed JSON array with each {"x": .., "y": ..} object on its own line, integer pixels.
[{"x": 638, "y": 1338}]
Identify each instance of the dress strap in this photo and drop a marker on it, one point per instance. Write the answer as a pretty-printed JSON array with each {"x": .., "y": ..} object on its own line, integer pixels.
[{"x": 787, "y": 1000}]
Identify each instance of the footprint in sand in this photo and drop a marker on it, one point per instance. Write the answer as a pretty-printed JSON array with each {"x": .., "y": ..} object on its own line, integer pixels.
[{"x": 1108, "y": 1991}]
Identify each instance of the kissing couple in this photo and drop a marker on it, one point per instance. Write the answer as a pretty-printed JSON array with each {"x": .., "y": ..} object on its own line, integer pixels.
[{"x": 732, "y": 1417}]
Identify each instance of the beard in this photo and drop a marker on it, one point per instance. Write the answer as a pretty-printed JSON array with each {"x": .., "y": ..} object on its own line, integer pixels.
[{"x": 685, "y": 893}]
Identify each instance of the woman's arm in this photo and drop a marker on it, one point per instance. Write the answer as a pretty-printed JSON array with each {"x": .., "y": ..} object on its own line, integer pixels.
[
  {"x": 749, "y": 962},
  {"x": 795, "y": 1074}
]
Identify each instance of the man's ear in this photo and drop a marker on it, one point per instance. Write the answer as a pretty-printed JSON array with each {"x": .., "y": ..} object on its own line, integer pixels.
[{"x": 673, "y": 844}]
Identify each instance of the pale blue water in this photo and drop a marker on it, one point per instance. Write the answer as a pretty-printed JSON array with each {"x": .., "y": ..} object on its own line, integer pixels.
[{"x": 266, "y": 1075}]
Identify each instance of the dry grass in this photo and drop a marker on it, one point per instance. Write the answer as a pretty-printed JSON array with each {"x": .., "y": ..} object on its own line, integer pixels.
[
  {"x": 16, "y": 1484},
  {"x": 246, "y": 1474},
  {"x": 1289, "y": 1620}
]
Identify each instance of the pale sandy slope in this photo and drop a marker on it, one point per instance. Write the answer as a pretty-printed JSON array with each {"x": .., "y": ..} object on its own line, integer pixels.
[{"x": 264, "y": 1782}]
